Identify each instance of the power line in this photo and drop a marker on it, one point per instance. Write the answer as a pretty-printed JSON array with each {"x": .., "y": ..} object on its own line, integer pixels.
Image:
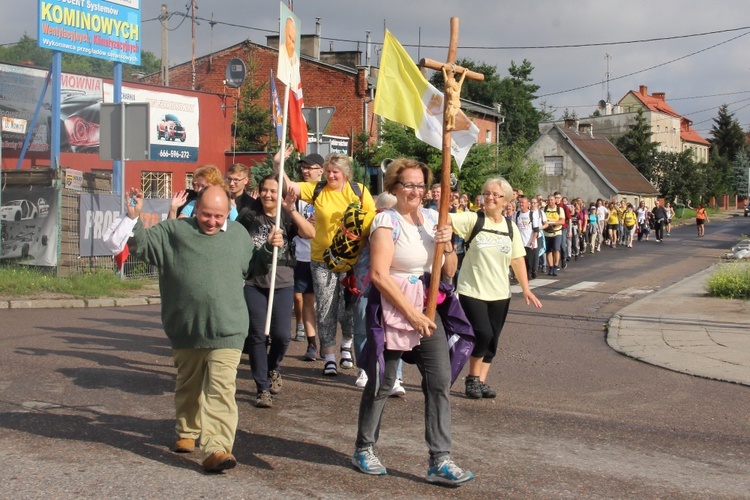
[{"x": 645, "y": 69}]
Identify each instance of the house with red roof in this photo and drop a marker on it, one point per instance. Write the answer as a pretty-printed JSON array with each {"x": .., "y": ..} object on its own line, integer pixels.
[
  {"x": 579, "y": 163},
  {"x": 673, "y": 132}
]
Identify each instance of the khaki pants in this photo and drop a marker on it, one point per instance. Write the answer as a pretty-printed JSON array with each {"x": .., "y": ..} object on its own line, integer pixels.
[{"x": 204, "y": 397}]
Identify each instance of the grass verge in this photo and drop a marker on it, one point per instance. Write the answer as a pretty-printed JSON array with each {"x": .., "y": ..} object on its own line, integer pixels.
[
  {"x": 23, "y": 281},
  {"x": 730, "y": 281}
]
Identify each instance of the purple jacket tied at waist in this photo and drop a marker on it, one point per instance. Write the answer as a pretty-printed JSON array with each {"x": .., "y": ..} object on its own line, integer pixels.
[{"x": 457, "y": 329}]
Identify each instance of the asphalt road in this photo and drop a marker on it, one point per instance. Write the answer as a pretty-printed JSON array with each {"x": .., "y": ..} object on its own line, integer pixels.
[{"x": 86, "y": 407}]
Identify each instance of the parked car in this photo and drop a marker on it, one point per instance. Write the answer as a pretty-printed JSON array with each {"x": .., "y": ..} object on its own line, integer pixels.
[
  {"x": 170, "y": 128},
  {"x": 17, "y": 210}
]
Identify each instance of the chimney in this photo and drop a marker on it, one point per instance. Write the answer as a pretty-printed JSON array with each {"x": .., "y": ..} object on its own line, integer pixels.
[
  {"x": 643, "y": 90},
  {"x": 587, "y": 128},
  {"x": 662, "y": 96},
  {"x": 571, "y": 123}
]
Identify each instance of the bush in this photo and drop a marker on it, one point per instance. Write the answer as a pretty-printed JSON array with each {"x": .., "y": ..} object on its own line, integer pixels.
[{"x": 730, "y": 281}]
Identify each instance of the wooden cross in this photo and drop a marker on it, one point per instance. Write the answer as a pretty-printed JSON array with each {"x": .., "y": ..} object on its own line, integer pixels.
[{"x": 451, "y": 106}]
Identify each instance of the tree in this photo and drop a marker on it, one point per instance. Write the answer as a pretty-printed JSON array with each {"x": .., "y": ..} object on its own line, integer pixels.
[
  {"x": 253, "y": 130},
  {"x": 514, "y": 93},
  {"x": 740, "y": 173},
  {"x": 638, "y": 148},
  {"x": 680, "y": 177},
  {"x": 728, "y": 139},
  {"x": 517, "y": 93}
]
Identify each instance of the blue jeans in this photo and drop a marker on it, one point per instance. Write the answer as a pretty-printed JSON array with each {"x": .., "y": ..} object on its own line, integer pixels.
[
  {"x": 262, "y": 358},
  {"x": 434, "y": 365}
]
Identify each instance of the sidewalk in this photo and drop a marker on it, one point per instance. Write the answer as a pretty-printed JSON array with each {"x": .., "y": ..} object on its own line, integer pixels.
[{"x": 682, "y": 329}]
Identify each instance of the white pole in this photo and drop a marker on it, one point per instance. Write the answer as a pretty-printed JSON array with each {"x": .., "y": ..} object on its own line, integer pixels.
[{"x": 278, "y": 210}]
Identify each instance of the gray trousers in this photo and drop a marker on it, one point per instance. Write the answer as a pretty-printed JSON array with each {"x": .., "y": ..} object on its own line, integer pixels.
[
  {"x": 434, "y": 365},
  {"x": 330, "y": 307}
]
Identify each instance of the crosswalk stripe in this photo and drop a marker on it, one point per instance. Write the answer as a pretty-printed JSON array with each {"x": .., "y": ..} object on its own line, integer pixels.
[
  {"x": 533, "y": 284},
  {"x": 578, "y": 287},
  {"x": 629, "y": 293}
]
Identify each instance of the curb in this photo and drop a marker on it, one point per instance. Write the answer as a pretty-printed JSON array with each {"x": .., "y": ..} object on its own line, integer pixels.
[{"x": 80, "y": 303}]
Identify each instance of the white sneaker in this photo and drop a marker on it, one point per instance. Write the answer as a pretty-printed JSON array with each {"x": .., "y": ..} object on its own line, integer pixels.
[
  {"x": 398, "y": 388},
  {"x": 362, "y": 379}
]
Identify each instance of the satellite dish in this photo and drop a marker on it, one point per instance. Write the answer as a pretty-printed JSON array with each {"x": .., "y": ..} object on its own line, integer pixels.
[
  {"x": 235, "y": 73},
  {"x": 602, "y": 104}
]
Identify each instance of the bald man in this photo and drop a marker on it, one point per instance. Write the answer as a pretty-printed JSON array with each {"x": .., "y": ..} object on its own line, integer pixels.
[{"x": 202, "y": 261}]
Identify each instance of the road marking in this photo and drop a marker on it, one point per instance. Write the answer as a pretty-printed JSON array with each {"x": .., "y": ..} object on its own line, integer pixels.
[
  {"x": 578, "y": 287},
  {"x": 629, "y": 293},
  {"x": 533, "y": 284}
]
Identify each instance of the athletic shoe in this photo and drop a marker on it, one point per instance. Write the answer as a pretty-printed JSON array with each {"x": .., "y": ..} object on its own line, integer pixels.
[
  {"x": 564, "y": 264},
  {"x": 330, "y": 369},
  {"x": 486, "y": 391},
  {"x": 473, "y": 387},
  {"x": 264, "y": 400},
  {"x": 449, "y": 474},
  {"x": 398, "y": 388},
  {"x": 274, "y": 378},
  {"x": 554, "y": 271},
  {"x": 365, "y": 461},
  {"x": 362, "y": 379},
  {"x": 347, "y": 361},
  {"x": 311, "y": 354},
  {"x": 300, "y": 336}
]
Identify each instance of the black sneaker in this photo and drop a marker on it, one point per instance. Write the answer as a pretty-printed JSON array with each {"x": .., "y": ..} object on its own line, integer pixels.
[
  {"x": 473, "y": 387},
  {"x": 486, "y": 391},
  {"x": 554, "y": 271},
  {"x": 311, "y": 354}
]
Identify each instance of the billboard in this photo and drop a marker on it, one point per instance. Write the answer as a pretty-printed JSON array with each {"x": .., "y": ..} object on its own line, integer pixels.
[
  {"x": 97, "y": 213},
  {"x": 104, "y": 29},
  {"x": 29, "y": 226},
  {"x": 173, "y": 122}
]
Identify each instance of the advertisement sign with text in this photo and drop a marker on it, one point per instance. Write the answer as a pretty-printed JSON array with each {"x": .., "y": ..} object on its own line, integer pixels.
[
  {"x": 104, "y": 29},
  {"x": 174, "y": 119},
  {"x": 29, "y": 226},
  {"x": 97, "y": 213}
]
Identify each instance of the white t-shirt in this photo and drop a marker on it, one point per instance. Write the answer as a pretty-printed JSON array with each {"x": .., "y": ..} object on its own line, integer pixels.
[
  {"x": 415, "y": 246},
  {"x": 302, "y": 245},
  {"x": 525, "y": 226},
  {"x": 602, "y": 213}
]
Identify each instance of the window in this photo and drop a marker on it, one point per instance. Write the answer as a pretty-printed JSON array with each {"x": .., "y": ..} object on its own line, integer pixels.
[
  {"x": 156, "y": 184},
  {"x": 488, "y": 136},
  {"x": 189, "y": 180},
  {"x": 553, "y": 165}
]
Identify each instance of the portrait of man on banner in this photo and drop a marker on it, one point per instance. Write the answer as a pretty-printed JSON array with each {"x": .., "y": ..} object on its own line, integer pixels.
[{"x": 289, "y": 42}]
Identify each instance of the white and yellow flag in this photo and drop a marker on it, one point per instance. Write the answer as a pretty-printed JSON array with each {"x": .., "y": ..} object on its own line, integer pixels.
[{"x": 404, "y": 96}]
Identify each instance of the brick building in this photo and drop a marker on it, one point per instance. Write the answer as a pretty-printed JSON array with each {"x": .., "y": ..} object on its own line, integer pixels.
[{"x": 323, "y": 83}]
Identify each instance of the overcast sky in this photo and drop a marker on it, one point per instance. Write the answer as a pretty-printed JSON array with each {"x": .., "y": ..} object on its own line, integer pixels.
[{"x": 698, "y": 73}]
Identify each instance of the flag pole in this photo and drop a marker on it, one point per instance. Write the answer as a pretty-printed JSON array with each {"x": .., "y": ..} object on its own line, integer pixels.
[{"x": 272, "y": 288}]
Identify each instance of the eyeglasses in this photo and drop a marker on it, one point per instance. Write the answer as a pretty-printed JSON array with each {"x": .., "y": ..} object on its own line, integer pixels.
[
  {"x": 233, "y": 179},
  {"x": 492, "y": 195},
  {"x": 310, "y": 167},
  {"x": 411, "y": 186}
]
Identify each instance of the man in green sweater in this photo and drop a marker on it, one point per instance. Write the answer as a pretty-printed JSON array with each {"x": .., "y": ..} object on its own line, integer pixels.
[{"x": 203, "y": 261}]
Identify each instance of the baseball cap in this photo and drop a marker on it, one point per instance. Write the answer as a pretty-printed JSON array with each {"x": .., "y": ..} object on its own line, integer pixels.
[{"x": 312, "y": 159}]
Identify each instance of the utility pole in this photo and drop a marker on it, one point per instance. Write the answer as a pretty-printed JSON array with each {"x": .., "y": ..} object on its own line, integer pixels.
[
  {"x": 164, "y": 46},
  {"x": 192, "y": 15}
]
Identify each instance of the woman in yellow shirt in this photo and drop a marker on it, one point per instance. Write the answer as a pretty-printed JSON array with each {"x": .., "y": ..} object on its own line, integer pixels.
[
  {"x": 629, "y": 220},
  {"x": 613, "y": 224}
]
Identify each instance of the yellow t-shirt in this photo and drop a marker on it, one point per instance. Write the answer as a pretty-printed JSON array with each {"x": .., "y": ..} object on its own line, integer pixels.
[
  {"x": 613, "y": 218},
  {"x": 484, "y": 271},
  {"x": 629, "y": 219},
  {"x": 554, "y": 215},
  {"x": 329, "y": 208}
]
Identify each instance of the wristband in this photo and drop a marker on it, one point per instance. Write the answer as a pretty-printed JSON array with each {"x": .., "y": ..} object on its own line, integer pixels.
[{"x": 448, "y": 253}]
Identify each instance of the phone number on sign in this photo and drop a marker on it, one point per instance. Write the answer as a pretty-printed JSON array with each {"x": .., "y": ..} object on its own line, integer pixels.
[{"x": 172, "y": 153}]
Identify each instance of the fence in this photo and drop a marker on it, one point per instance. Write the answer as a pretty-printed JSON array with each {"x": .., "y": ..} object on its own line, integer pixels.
[{"x": 70, "y": 261}]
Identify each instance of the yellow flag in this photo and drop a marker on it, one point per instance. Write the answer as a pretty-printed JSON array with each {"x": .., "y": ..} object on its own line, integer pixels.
[{"x": 404, "y": 96}]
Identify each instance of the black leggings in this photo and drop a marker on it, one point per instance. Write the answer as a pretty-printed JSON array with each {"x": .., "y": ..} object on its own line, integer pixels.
[{"x": 487, "y": 318}]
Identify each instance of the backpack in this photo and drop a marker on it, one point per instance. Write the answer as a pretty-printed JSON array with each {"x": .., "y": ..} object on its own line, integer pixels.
[
  {"x": 354, "y": 227},
  {"x": 479, "y": 227},
  {"x": 361, "y": 271}
]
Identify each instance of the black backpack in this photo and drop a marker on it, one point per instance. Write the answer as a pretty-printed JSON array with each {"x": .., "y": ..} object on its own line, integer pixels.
[{"x": 479, "y": 226}]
